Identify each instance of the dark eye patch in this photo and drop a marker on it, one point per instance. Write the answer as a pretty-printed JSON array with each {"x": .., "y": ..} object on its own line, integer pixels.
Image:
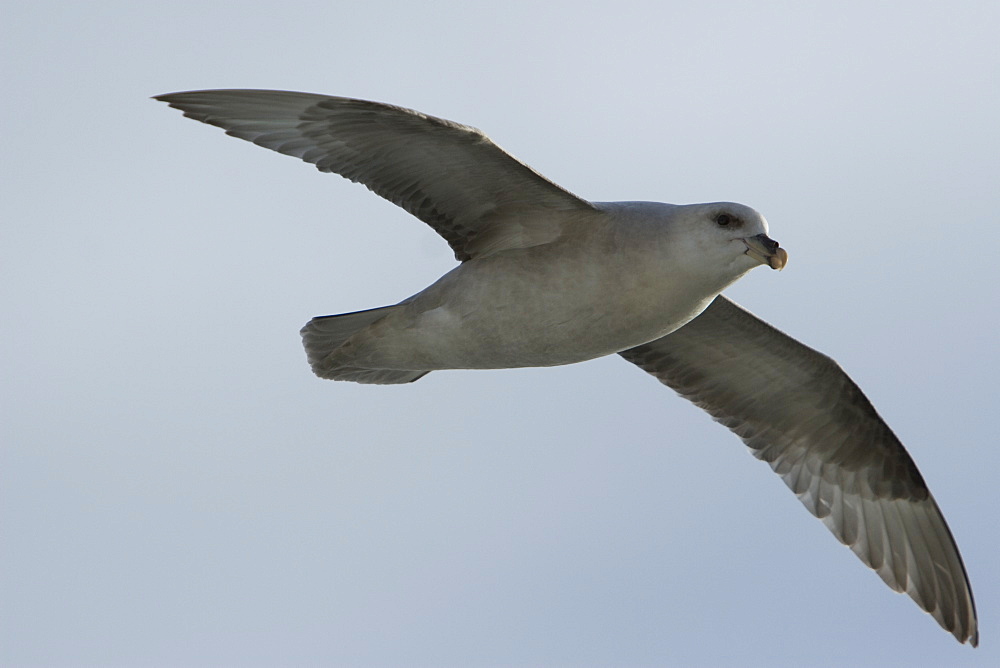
[{"x": 727, "y": 220}]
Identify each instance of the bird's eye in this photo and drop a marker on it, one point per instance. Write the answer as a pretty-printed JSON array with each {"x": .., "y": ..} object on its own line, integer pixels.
[{"x": 725, "y": 220}]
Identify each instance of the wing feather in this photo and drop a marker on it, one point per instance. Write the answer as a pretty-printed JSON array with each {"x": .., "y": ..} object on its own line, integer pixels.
[
  {"x": 797, "y": 410},
  {"x": 451, "y": 176}
]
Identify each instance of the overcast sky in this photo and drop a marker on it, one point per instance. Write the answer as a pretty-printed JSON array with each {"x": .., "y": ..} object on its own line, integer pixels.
[{"x": 178, "y": 489}]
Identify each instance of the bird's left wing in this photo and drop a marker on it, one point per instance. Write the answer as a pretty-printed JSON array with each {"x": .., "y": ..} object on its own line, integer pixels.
[{"x": 798, "y": 411}]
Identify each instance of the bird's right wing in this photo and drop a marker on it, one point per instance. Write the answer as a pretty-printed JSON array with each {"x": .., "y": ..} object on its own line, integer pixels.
[{"x": 451, "y": 176}]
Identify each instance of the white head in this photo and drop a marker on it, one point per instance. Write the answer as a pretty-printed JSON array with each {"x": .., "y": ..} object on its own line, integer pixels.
[{"x": 721, "y": 241}]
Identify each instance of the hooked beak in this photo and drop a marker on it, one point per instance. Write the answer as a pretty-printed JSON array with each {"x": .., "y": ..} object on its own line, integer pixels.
[{"x": 765, "y": 250}]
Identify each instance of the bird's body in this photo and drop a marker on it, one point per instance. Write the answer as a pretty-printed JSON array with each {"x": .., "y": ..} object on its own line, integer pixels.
[
  {"x": 547, "y": 278},
  {"x": 612, "y": 279}
]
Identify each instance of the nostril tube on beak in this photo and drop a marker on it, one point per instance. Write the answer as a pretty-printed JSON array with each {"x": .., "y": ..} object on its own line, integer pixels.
[
  {"x": 770, "y": 244},
  {"x": 765, "y": 250}
]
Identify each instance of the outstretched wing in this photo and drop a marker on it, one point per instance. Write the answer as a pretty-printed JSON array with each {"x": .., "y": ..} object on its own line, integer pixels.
[
  {"x": 798, "y": 411},
  {"x": 451, "y": 176}
]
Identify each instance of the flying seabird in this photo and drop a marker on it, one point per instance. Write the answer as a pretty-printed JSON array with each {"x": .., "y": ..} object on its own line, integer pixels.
[{"x": 547, "y": 278}]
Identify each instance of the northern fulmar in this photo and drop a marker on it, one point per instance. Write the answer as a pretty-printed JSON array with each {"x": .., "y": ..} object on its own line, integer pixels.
[{"x": 547, "y": 278}]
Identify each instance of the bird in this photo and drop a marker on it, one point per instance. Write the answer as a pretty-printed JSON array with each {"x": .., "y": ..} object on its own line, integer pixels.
[{"x": 546, "y": 278}]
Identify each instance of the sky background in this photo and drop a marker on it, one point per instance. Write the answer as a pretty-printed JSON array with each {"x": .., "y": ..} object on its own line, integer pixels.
[{"x": 178, "y": 489}]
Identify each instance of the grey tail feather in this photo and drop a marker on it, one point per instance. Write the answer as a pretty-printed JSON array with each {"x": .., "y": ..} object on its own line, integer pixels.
[{"x": 324, "y": 334}]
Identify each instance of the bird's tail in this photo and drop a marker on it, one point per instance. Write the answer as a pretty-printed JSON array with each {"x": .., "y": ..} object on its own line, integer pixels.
[{"x": 323, "y": 335}]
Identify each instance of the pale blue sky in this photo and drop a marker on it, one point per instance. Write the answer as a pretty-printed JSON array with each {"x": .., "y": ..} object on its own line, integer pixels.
[{"x": 177, "y": 489}]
